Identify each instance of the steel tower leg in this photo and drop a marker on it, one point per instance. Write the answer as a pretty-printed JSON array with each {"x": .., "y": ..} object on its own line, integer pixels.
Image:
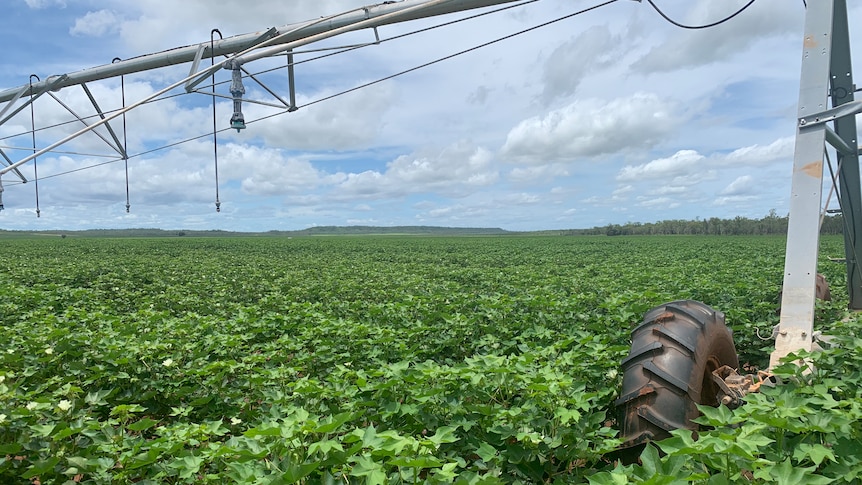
[{"x": 803, "y": 231}]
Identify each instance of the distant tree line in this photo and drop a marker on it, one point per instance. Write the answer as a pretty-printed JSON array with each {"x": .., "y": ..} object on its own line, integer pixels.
[{"x": 738, "y": 226}]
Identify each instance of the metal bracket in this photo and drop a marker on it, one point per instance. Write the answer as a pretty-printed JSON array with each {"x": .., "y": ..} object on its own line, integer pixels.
[
  {"x": 195, "y": 64},
  {"x": 847, "y": 109},
  {"x": 52, "y": 83},
  {"x": 733, "y": 387},
  {"x": 839, "y": 143},
  {"x": 202, "y": 75}
]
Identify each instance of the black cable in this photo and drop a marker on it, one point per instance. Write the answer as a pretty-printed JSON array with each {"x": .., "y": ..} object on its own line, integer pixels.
[{"x": 706, "y": 26}]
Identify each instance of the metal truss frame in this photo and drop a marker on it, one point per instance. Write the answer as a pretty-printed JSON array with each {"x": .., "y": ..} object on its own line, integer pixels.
[
  {"x": 240, "y": 50},
  {"x": 826, "y": 77}
]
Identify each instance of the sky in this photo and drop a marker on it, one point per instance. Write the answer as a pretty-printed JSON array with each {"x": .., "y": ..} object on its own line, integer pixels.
[{"x": 608, "y": 117}]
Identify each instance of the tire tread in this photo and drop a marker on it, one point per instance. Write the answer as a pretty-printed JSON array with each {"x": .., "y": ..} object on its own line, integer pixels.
[{"x": 664, "y": 373}]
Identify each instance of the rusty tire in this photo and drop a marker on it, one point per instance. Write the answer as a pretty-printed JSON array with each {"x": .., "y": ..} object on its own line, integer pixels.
[{"x": 668, "y": 370}]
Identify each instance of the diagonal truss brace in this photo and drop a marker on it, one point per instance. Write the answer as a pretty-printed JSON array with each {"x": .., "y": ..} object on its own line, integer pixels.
[
  {"x": 118, "y": 146},
  {"x": 8, "y": 161}
]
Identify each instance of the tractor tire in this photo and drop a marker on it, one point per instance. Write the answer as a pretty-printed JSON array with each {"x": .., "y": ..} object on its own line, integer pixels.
[{"x": 669, "y": 370}]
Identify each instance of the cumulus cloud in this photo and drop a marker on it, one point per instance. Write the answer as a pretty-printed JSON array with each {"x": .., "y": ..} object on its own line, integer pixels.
[
  {"x": 744, "y": 185},
  {"x": 623, "y": 190},
  {"x": 678, "y": 164},
  {"x": 591, "y": 128},
  {"x": 687, "y": 175},
  {"x": 265, "y": 171},
  {"x": 734, "y": 200},
  {"x": 455, "y": 171},
  {"x": 40, "y": 4},
  {"x": 172, "y": 178},
  {"x": 541, "y": 172},
  {"x": 670, "y": 190},
  {"x": 96, "y": 24},
  {"x": 780, "y": 149},
  {"x": 658, "y": 202}
]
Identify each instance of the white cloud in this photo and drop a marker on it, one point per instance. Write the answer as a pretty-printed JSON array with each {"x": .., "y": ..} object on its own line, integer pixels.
[
  {"x": 266, "y": 171},
  {"x": 542, "y": 172},
  {"x": 680, "y": 163},
  {"x": 695, "y": 178},
  {"x": 734, "y": 200},
  {"x": 40, "y": 4},
  {"x": 658, "y": 202},
  {"x": 623, "y": 190},
  {"x": 455, "y": 171},
  {"x": 591, "y": 128},
  {"x": 744, "y": 185},
  {"x": 455, "y": 213},
  {"x": 670, "y": 190},
  {"x": 780, "y": 149},
  {"x": 96, "y": 24}
]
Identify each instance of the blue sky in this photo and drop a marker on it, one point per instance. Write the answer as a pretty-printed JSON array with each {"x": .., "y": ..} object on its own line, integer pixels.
[{"x": 610, "y": 117}]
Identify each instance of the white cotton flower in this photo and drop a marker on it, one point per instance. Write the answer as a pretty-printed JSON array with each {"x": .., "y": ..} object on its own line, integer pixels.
[
  {"x": 2, "y": 418},
  {"x": 49, "y": 351},
  {"x": 2, "y": 379},
  {"x": 32, "y": 405},
  {"x": 168, "y": 362},
  {"x": 65, "y": 405},
  {"x": 235, "y": 421}
]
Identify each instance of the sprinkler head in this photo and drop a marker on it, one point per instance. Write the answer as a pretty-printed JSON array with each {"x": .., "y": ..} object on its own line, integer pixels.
[{"x": 237, "y": 122}]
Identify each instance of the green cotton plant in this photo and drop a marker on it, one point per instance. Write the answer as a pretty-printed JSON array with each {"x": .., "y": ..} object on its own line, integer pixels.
[
  {"x": 389, "y": 360},
  {"x": 804, "y": 430}
]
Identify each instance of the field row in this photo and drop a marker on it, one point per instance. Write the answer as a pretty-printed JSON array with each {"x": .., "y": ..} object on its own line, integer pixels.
[{"x": 378, "y": 360}]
